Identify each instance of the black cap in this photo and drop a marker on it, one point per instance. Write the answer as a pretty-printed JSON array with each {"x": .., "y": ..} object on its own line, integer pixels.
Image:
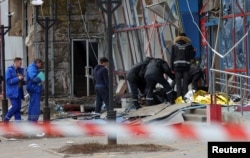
[{"x": 103, "y": 60}]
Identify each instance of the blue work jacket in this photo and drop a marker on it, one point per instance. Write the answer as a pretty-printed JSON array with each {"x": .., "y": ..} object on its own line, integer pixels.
[
  {"x": 33, "y": 82},
  {"x": 11, "y": 78}
]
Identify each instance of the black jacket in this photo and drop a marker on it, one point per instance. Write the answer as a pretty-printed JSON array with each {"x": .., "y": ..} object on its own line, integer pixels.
[
  {"x": 157, "y": 67},
  {"x": 136, "y": 73},
  {"x": 101, "y": 76},
  {"x": 195, "y": 70},
  {"x": 182, "y": 53}
]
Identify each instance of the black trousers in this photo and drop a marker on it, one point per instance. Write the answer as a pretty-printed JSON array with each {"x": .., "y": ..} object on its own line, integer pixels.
[
  {"x": 181, "y": 80},
  {"x": 135, "y": 88},
  {"x": 151, "y": 83},
  {"x": 102, "y": 95},
  {"x": 195, "y": 79}
]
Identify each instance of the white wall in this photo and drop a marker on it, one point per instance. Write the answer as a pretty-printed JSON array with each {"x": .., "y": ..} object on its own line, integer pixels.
[{"x": 13, "y": 44}]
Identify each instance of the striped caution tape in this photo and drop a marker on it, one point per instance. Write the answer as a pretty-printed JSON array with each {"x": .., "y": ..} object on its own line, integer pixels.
[{"x": 210, "y": 132}]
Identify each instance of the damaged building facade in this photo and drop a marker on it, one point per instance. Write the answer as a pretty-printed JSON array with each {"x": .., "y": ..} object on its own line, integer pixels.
[{"x": 218, "y": 30}]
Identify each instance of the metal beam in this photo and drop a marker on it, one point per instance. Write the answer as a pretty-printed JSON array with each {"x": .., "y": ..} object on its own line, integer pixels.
[{"x": 109, "y": 10}]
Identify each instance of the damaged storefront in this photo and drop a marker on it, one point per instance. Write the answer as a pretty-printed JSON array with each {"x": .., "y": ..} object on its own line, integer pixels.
[{"x": 141, "y": 28}]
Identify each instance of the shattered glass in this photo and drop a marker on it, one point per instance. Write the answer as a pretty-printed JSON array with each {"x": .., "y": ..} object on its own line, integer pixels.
[{"x": 232, "y": 30}]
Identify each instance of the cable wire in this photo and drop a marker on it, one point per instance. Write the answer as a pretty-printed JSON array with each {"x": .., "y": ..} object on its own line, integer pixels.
[
  {"x": 213, "y": 50},
  {"x": 85, "y": 27},
  {"x": 217, "y": 36}
]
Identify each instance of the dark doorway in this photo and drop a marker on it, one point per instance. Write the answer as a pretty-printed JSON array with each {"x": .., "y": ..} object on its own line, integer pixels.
[{"x": 84, "y": 60}]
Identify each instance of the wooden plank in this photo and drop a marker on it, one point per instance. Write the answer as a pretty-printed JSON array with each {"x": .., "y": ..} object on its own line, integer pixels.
[
  {"x": 147, "y": 111},
  {"x": 166, "y": 112}
]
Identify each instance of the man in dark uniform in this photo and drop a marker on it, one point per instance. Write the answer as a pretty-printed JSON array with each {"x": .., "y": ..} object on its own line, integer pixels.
[
  {"x": 182, "y": 54},
  {"x": 135, "y": 77},
  {"x": 101, "y": 82},
  {"x": 196, "y": 75},
  {"x": 155, "y": 74}
]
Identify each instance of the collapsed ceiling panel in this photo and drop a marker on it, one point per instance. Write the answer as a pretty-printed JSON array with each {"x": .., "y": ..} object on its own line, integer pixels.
[{"x": 163, "y": 10}]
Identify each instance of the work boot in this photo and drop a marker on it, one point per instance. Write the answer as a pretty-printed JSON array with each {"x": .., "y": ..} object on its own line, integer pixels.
[
  {"x": 136, "y": 105},
  {"x": 6, "y": 119},
  {"x": 150, "y": 101},
  {"x": 170, "y": 98},
  {"x": 172, "y": 102},
  {"x": 142, "y": 100}
]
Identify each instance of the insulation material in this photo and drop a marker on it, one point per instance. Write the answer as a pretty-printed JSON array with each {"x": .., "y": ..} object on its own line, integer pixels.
[
  {"x": 122, "y": 87},
  {"x": 16, "y": 30},
  {"x": 29, "y": 38},
  {"x": 203, "y": 97}
]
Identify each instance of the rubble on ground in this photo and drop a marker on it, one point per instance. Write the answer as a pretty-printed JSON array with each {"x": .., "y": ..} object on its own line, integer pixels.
[{"x": 83, "y": 108}]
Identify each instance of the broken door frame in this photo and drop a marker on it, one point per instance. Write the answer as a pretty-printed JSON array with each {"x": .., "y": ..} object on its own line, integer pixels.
[{"x": 87, "y": 67}]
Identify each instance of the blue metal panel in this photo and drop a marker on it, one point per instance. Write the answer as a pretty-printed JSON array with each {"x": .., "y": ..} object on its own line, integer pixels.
[
  {"x": 188, "y": 26},
  {"x": 193, "y": 4},
  {"x": 212, "y": 22},
  {"x": 248, "y": 49},
  {"x": 192, "y": 31}
]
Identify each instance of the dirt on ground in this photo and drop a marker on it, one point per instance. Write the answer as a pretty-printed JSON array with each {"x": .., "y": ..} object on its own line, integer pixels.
[{"x": 91, "y": 148}]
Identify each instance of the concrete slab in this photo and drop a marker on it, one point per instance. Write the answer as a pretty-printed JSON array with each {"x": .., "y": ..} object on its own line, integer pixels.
[
  {"x": 147, "y": 111},
  {"x": 166, "y": 112},
  {"x": 201, "y": 111},
  {"x": 195, "y": 117},
  {"x": 175, "y": 118},
  {"x": 119, "y": 112}
]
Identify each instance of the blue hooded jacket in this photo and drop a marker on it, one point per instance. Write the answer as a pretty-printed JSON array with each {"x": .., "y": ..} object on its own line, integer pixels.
[
  {"x": 33, "y": 82},
  {"x": 12, "y": 88},
  {"x": 101, "y": 76}
]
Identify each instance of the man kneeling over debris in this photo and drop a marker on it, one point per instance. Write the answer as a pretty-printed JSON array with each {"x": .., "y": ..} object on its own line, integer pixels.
[
  {"x": 155, "y": 74},
  {"x": 135, "y": 77}
]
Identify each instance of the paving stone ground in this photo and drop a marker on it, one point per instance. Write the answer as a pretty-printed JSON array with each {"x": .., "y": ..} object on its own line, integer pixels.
[{"x": 46, "y": 148}]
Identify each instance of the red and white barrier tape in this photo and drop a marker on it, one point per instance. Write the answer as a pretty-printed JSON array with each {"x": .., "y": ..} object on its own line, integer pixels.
[{"x": 210, "y": 132}]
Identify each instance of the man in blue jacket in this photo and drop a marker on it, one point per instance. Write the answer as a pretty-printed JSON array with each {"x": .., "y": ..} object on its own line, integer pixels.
[
  {"x": 14, "y": 89},
  {"x": 34, "y": 88},
  {"x": 101, "y": 82}
]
